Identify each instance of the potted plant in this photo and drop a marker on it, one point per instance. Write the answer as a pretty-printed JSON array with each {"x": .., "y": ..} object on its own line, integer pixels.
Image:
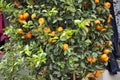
[{"x": 56, "y": 39}]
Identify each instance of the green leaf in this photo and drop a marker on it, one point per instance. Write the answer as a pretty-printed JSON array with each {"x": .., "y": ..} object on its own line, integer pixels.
[
  {"x": 82, "y": 65},
  {"x": 93, "y": 4},
  {"x": 27, "y": 50},
  {"x": 88, "y": 41},
  {"x": 79, "y": 1},
  {"x": 81, "y": 23}
]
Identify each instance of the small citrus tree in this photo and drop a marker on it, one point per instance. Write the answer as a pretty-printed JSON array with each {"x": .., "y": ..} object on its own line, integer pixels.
[{"x": 56, "y": 39}]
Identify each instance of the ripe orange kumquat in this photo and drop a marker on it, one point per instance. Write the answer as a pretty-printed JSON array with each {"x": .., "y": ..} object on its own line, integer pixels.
[
  {"x": 65, "y": 47},
  {"x": 20, "y": 16},
  {"x": 90, "y": 75},
  {"x": 33, "y": 16},
  {"x": 50, "y": 40},
  {"x": 97, "y": 74},
  {"x": 26, "y": 16},
  {"x": 53, "y": 33},
  {"x": 28, "y": 35},
  {"x": 106, "y": 60},
  {"x": 20, "y": 31},
  {"x": 89, "y": 59},
  {"x": 109, "y": 43},
  {"x": 94, "y": 60},
  {"x": 47, "y": 30},
  {"x": 107, "y": 4},
  {"x": 104, "y": 57},
  {"x": 106, "y": 51},
  {"x": 108, "y": 20},
  {"x": 96, "y": 1},
  {"x": 21, "y": 21},
  {"x": 59, "y": 29},
  {"x": 41, "y": 21},
  {"x": 99, "y": 27}
]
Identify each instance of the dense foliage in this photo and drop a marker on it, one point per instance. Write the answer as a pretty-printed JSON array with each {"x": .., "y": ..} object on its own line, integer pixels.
[{"x": 56, "y": 39}]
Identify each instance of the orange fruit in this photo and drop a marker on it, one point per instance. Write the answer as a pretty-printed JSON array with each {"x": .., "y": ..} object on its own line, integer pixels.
[
  {"x": 96, "y": 1},
  {"x": 59, "y": 29},
  {"x": 97, "y": 74},
  {"x": 46, "y": 30},
  {"x": 50, "y": 40},
  {"x": 108, "y": 20},
  {"x": 109, "y": 43},
  {"x": 21, "y": 21},
  {"x": 106, "y": 51},
  {"x": 16, "y": 3},
  {"x": 65, "y": 47},
  {"x": 53, "y": 33},
  {"x": 26, "y": 15},
  {"x": 99, "y": 27},
  {"x": 41, "y": 21},
  {"x": 28, "y": 35},
  {"x": 20, "y": 16},
  {"x": 33, "y": 16},
  {"x": 89, "y": 59},
  {"x": 104, "y": 57},
  {"x": 97, "y": 22},
  {"x": 90, "y": 75},
  {"x": 107, "y": 5},
  {"x": 20, "y": 31},
  {"x": 93, "y": 60},
  {"x": 86, "y": 29}
]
